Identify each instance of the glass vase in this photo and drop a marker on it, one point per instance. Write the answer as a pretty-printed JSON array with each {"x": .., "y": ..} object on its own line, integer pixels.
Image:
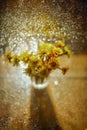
[{"x": 39, "y": 83}]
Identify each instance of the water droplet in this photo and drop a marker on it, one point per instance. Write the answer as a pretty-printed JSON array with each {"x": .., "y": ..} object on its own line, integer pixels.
[{"x": 56, "y": 82}]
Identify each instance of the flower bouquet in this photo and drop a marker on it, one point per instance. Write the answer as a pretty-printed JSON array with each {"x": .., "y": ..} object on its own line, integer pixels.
[{"x": 39, "y": 65}]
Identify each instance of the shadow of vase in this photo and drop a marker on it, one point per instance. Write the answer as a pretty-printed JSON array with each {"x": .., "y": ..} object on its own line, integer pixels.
[{"x": 41, "y": 111}]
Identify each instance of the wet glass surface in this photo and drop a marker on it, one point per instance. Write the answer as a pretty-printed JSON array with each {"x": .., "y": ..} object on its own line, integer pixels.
[
  {"x": 22, "y": 19},
  {"x": 63, "y": 104}
]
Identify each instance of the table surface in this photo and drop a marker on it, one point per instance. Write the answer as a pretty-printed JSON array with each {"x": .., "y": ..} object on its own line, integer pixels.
[{"x": 61, "y": 105}]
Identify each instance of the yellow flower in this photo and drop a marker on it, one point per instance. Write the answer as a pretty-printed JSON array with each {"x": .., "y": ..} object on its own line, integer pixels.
[
  {"x": 24, "y": 56},
  {"x": 42, "y": 70},
  {"x": 53, "y": 63},
  {"x": 8, "y": 56},
  {"x": 60, "y": 51},
  {"x": 64, "y": 70},
  {"x": 45, "y": 48},
  {"x": 39, "y": 66},
  {"x": 67, "y": 51},
  {"x": 60, "y": 44},
  {"x": 15, "y": 60},
  {"x": 28, "y": 71},
  {"x": 34, "y": 59}
]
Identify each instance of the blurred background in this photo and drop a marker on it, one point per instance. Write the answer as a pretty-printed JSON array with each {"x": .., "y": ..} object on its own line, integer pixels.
[{"x": 63, "y": 104}]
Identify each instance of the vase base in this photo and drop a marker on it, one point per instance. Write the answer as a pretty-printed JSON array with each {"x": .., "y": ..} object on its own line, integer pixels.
[{"x": 40, "y": 86}]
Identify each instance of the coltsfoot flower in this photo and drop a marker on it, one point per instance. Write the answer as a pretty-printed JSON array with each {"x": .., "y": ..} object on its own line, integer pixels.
[
  {"x": 8, "y": 57},
  {"x": 24, "y": 56},
  {"x": 42, "y": 63},
  {"x": 15, "y": 60},
  {"x": 67, "y": 51},
  {"x": 60, "y": 44},
  {"x": 64, "y": 70},
  {"x": 53, "y": 63}
]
